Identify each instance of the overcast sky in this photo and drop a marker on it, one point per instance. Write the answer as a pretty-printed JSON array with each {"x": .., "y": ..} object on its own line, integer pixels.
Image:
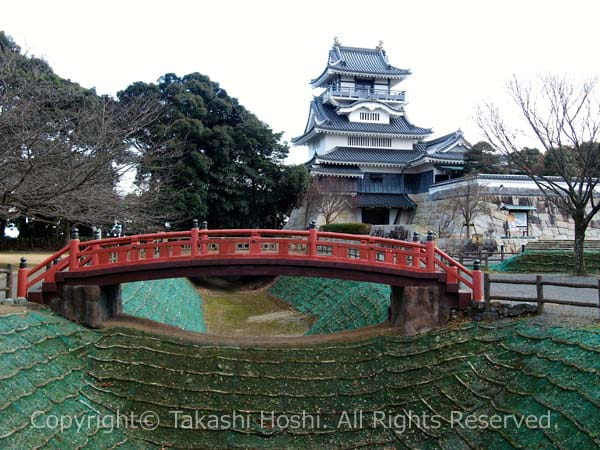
[{"x": 265, "y": 52}]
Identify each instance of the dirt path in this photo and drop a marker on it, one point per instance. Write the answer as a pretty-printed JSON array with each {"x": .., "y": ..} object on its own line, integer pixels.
[
  {"x": 229, "y": 310},
  {"x": 152, "y": 327},
  {"x": 559, "y": 314},
  {"x": 13, "y": 258}
]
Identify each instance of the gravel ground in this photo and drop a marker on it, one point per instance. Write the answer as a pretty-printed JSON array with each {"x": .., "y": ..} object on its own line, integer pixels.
[{"x": 559, "y": 314}]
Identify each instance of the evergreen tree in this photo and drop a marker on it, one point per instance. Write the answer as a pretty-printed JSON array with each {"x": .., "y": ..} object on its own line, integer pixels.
[
  {"x": 224, "y": 164},
  {"x": 481, "y": 158}
]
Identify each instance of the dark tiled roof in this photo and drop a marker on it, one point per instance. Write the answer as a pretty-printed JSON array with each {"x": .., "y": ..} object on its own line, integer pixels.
[
  {"x": 370, "y": 155},
  {"x": 437, "y": 147},
  {"x": 443, "y": 142},
  {"x": 326, "y": 118},
  {"x": 452, "y": 156},
  {"x": 385, "y": 201},
  {"x": 348, "y": 171},
  {"x": 367, "y": 61},
  {"x": 383, "y": 104},
  {"x": 518, "y": 207},
  {"x": 443, "y": 157},
  {"x": 456, "y": 167}
]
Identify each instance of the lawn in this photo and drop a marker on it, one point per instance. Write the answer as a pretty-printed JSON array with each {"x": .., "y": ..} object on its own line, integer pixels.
[{"x": 251, "y": 313}]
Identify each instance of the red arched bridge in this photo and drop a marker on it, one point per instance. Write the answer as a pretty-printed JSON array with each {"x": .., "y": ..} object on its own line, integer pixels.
[{"x": 198, "y": 252}]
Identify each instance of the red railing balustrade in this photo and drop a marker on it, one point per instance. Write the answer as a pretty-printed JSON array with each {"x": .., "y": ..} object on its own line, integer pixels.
[{"x": 257, "y": 243}]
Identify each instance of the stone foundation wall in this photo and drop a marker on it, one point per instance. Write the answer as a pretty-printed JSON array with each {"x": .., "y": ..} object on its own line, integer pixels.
[
  {"x": 546, "y": 222},
  {"x": 298, "y": 218}
]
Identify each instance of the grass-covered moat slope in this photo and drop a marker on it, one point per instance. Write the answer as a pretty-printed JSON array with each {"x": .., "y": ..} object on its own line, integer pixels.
[
  {"x": 338, "y": 304},
  {"x": 43, "y": 367},
  {"x": 520, "y": 368},
  {"x": 174, "y": 301},
  {"x": 536, "y": 261}
]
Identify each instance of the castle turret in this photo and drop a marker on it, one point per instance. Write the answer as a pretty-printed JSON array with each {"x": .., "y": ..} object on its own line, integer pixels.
[{"x": 357, "y": 128}]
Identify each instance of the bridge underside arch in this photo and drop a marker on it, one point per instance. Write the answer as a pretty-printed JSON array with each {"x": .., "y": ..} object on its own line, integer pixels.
[{"x": 419, "y": 300}]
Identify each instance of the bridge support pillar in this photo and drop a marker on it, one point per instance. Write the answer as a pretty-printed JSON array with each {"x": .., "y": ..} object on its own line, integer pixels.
[
  {"x": 89, "y": 305},
  {"x": 418, "y": 309}
]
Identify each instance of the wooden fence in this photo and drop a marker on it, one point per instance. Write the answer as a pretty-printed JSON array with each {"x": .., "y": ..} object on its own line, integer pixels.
[
  {"x": 539, "y": 284},
  {"x": 484, "y": 256},
  {"x": 6, "y": 270}
]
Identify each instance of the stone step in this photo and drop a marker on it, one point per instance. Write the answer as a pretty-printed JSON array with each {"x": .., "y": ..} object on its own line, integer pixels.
[{"x": 560, "y": 245}]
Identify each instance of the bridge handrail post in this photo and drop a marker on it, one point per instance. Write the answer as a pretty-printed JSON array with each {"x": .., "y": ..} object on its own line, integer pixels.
[
  {"x": 254, "y": 245},
  {"x": 74, "y": 250},
  {"x": 96, "y": 247},
  {"x": 135, "y": 248},
  {"x": 416, "y": 259},
  {"x": 430, "y": 249},
  {"x": 372, "y": 251},
  {"x": 194, "y": 233},
  {"x": 312, "y": 238},
  {"x": 204, "y": 238},
  {"x": 22, "y": 276},
  {"x": 365, "y": 255},
  {"x": 452, "y": 273},
  {"x": 477, "y": 278}
]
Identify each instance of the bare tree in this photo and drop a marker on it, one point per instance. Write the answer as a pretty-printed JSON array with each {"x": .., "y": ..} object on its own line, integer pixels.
[
  {"x": 63, "y": 149},
  {"x": 469, "y": 202},
  {"x": 446, "y": 222},
  {"x": 564, "y": 117},
  {"x": 329, "y": 197}
]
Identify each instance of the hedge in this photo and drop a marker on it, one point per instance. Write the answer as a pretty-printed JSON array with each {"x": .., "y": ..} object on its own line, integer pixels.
[{"x": 349, "y": 228}]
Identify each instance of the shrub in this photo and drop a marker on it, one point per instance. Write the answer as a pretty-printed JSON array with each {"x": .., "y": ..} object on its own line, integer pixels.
[{"x": 350, "y": 228}]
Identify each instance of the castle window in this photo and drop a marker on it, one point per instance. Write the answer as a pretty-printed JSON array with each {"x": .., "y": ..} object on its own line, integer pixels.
[
  {"x": 362, "y": 141},
  {"x": 369, "y": 116}
]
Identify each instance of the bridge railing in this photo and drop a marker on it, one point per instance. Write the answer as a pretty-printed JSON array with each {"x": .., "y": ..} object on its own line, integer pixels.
[{"x": 245, "y": 243}]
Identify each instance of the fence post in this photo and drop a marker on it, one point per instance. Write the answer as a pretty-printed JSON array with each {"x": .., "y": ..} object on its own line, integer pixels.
[
  {"x": 22, "y": 278},
  {"x": 194, "y": 238},
  {"x": 599, "y": 298},
  {"x": 522, "y": 248},
  {"x": 430, "y": 247},
  {"x": 74, "y": 249},
  {"x": 477, "y": 280},
  {"x": 539, "y": 289},
  {"x": 9, "y": 281},
  {"x": 501, "y": 252},
  {"x": 312, "y": 238},
  {"x": 487, "y": 291}
]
